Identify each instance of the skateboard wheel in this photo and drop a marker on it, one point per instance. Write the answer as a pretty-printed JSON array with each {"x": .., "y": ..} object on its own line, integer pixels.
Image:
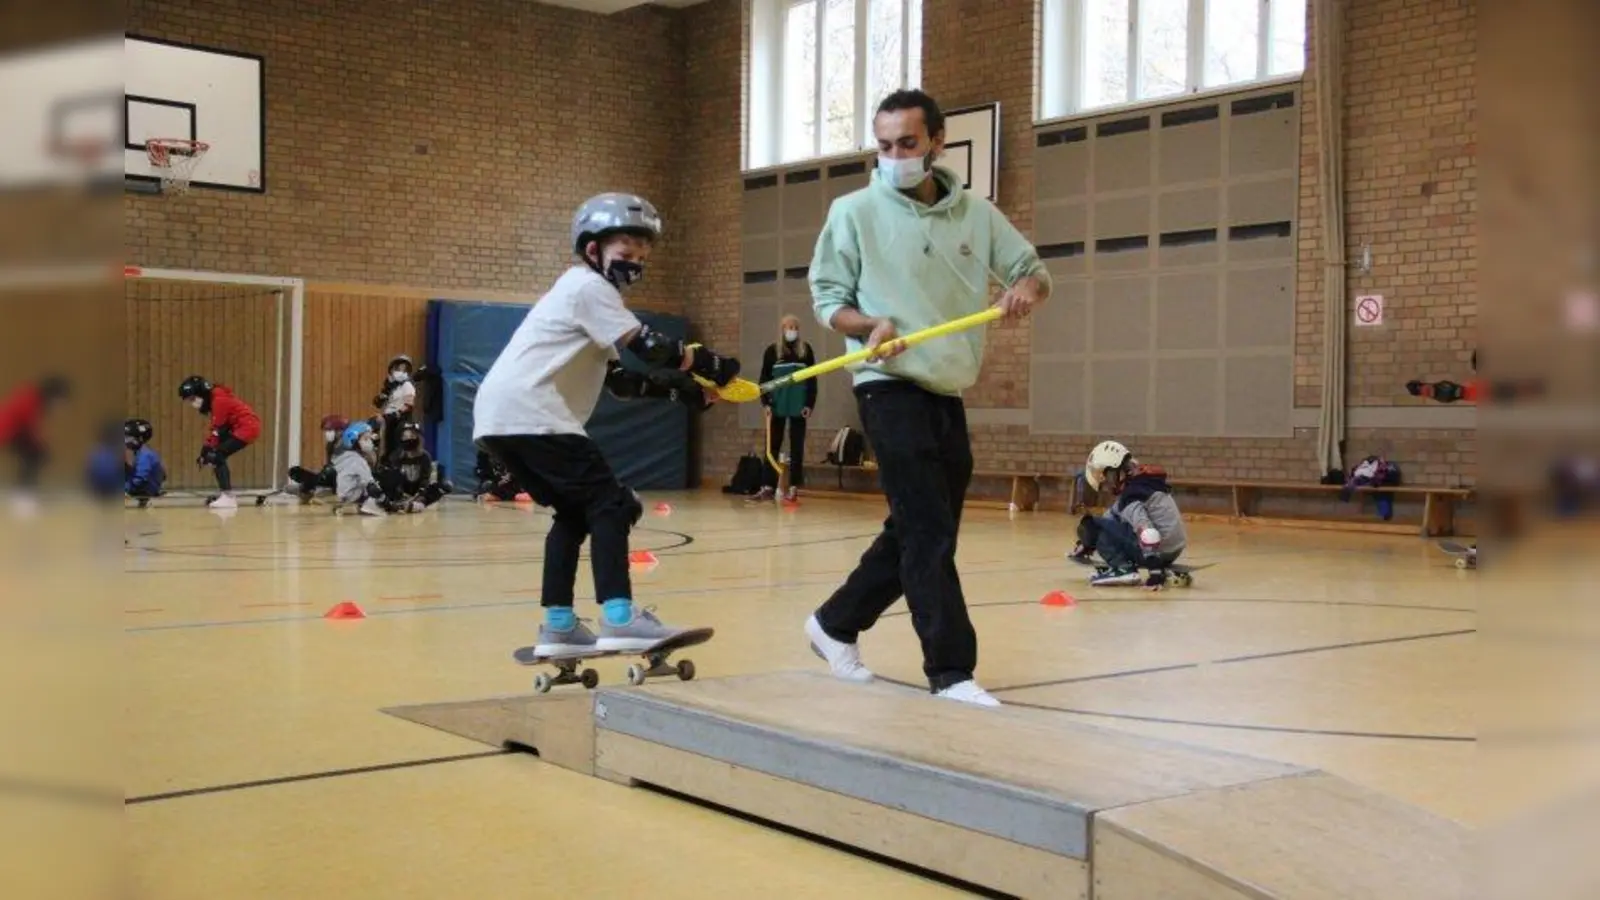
[
  {"x": 685, "y": 670},
  {"x": 590, "y": 678},
  {"x": 541, "y": 683},
  {"x": 636, "y": 675},
  {"x": 1183, "y": 579},
  {"x": 1461, "y": 563}
]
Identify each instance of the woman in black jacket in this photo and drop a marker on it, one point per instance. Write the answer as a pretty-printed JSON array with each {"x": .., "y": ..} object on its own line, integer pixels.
[{"x": 788, "y": 407}]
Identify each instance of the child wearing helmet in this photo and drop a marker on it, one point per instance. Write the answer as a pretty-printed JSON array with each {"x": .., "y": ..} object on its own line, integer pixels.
[
  {"x": 395, "y": 401},
  {"x": 530, "y": 411},
  {"x": 410, "y": 479},
  {"x": 308, "y": 481},
  {"x": 352, "y": 464},
  {"x": 234, "y": 426},
  {"x": 143, "y": 472},
  {"x": 1142, "y": 527}
]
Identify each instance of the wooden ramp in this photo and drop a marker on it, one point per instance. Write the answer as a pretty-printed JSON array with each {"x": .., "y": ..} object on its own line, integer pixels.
[{"x": 1019, "y": 801}]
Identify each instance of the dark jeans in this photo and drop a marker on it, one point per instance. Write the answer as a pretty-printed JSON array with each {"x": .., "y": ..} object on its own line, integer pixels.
[
  {"x": 567, "y": 473},
  {"x": 797, "y": 451},
  {"x": 924, "y": 459}
]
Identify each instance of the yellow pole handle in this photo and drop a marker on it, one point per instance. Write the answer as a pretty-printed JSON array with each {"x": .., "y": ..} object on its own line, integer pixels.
[{"x": 910, "y": 340}]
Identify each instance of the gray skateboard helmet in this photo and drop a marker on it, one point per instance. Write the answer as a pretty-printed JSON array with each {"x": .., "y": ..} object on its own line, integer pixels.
[{"x": 603, "y": 214}]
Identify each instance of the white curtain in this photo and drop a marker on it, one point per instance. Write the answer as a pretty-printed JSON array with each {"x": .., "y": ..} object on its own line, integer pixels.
[{"x": 1328, "y": 52}]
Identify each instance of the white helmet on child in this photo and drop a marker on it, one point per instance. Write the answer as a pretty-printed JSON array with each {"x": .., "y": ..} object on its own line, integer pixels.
[{"x": 1108, "y": 455}]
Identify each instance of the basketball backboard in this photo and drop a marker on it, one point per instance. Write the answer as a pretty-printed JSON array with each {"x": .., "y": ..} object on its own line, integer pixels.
[
  {"x": 196, "y": 94},
  {"x": 60, "y": 115}
]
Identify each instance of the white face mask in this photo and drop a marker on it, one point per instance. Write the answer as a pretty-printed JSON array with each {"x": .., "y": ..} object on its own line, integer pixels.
[
  {"x": 904, "y": 174},
  {"x": 791, "y": 335},
  {"x": 197, "y": 402},
  {"x": 400, "y": 376},
  {"x": 328, "y": 436}
]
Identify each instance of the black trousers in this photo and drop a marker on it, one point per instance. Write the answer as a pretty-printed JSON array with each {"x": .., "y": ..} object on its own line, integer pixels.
[
  {"x": 567, "y": 473},
  {"x": 31, "y": 457},
  {"x": 924, "y": 456},
  {"x": 228, "y": 446},
  {"x": 797, "y": 450}
]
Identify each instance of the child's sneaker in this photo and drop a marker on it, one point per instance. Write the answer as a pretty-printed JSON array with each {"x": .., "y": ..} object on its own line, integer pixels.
[
  {"x": 792, "y": 494},
  {"x": 574, "y": 640},
  {"x": 844, "y": 659},
  {"x": 968, "y": 692},
  {"x": 223, "y": 501},
  {"x": 641, "y": 632},
  {"x": 1109, "y": 576},
  {"x": 371, "y": 507}
]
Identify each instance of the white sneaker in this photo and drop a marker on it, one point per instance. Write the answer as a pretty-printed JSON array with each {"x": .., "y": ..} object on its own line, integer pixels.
[
  {"x": 844, "y": 659},
  {"x": 224, "y": 501},
  {"x": 969, "y": 692},
  {"x": 370, "y": 507}
]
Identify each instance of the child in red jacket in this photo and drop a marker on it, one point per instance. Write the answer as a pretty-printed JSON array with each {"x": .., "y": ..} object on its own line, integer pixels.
[
  {"x": 234, "y": 426},
  {"x": 22, "y": 415}
]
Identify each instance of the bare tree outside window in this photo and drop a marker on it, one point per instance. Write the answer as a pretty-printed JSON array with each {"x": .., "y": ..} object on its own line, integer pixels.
[
  {"x": 1163, "y": 48},
  {"x": 800, "y": 80},
  {"x": 884, "y": 32},
  {"x": 839, "y": 77},
  {"x": 1287, "y": 52},
  {"x": 1106, "y": 37},
  {"x": 1233, "y": 33}
]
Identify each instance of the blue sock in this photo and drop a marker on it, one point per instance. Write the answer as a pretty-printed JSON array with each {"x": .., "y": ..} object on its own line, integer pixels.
[
  {"x": 560, "y": 618},
  {"x": 618, "y": 611}
]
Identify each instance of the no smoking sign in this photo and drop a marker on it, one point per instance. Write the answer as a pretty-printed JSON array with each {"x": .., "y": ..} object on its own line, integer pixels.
[{"x": 1369, "y": 310}]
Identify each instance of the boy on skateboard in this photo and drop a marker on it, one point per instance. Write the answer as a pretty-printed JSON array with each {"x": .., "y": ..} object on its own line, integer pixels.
[
  {"x": 531, "y": 408},
  {"x": 1142, "y": 528}
]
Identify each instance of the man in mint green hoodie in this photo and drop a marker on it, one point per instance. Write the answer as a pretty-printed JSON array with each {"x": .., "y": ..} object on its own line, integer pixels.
[{"x": 910, "y": 251}]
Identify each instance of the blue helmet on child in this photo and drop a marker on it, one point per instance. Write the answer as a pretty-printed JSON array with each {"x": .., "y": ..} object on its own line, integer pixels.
[{"x": 351, "y": 437}]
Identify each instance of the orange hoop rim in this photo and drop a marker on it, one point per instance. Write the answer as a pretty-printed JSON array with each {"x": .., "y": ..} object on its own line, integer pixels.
[{"x": 161, "y": 150}]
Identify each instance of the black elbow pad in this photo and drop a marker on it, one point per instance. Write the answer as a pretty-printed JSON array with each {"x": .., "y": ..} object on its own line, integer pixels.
[{"x": 655, "y": 349}]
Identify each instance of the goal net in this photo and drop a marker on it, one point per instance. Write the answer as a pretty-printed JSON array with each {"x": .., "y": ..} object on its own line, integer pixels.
[{"x": 234, "y": 333}]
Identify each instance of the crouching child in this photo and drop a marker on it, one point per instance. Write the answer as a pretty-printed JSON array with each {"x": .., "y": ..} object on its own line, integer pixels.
[{"x": 1142, "y": 528}]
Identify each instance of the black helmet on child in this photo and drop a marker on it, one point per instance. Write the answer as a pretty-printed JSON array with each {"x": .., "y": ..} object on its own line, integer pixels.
[
  {"x": 194, "y": 386},
  {"x": 400, "y": 359},
  {"x": 137, "y": 432}
]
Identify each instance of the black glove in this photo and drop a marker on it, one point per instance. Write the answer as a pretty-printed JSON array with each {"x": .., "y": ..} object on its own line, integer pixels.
[
  {"x": 1415, "y": 387},
  {"x": 625, "y": 384},
  {"x": 715, "y": 368},
  {"x": 207, "y": 457},
  {"x": 1447, "y": 392}
]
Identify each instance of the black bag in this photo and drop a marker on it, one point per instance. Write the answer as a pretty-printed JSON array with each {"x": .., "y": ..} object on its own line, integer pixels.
[
  {"x": 849, "y": 448},
  {"x": 747, "y": 476}
]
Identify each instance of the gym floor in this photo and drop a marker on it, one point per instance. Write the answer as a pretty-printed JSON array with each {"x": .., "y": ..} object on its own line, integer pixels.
[{"x": 257, "y": 762}]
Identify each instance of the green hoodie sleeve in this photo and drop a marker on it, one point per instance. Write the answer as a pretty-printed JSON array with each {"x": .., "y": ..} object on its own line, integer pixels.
[
  {"x": 835, "y": 266},
  {"x": 1014, "y": 256}
]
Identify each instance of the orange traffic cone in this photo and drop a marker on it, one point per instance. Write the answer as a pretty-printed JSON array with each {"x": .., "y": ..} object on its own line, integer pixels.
[
  {"x": 663, "y": 509},
  {"x": 345, "y": 610},
  {"x": 1058, "y": 598},
  {"x": 642, "y": 558}
]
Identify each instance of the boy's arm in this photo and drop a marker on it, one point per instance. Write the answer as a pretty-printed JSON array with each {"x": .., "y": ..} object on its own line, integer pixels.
[{"x": 1136, "y": 515}]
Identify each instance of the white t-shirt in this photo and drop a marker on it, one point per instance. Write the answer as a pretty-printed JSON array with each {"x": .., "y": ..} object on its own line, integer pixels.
[
  {"x": 549, "y": 377},
  {"x": 402, "y": 396}
]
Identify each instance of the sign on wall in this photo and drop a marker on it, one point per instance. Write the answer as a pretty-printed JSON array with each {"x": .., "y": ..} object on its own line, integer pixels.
[
  {"x": 1369, "y": 310},
  {"x": 972, "y": 147}
]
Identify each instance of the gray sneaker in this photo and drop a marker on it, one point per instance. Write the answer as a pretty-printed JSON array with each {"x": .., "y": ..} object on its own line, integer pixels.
[
  {"x": 579, "y": 639},
  {"x": 644, "y": 632}
]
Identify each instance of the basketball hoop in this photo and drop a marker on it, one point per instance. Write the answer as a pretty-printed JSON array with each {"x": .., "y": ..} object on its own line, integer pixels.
[{"x": 175, "y": 160}]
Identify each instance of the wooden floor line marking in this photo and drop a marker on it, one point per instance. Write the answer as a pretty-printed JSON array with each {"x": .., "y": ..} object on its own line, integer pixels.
[{"x": 313, "y": 776}]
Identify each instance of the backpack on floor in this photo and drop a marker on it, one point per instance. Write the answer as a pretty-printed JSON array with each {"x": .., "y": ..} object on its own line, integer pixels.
[{"x": 747, "y": 476}]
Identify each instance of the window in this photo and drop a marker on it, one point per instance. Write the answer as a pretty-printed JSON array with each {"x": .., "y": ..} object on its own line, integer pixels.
[
  {"x": 1098, "y": 54},
  {"x": 819, "y": 67}
]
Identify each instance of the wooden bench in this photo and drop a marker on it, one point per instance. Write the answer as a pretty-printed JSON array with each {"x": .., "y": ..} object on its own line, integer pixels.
[
  {"x": 1024, "y": 486},
  {"x": 1439, "y": 504}
]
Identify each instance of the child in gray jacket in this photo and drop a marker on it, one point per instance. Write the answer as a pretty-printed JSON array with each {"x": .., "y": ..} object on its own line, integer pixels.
[
  {"x": 1142, "y": 528},
  {"x": 352, "y": 465}
]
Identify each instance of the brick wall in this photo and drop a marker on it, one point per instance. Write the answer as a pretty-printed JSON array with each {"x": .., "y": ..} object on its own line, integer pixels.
[
  {"x": 429, "y": 144},
  {"x": 1410, "y": 171}
]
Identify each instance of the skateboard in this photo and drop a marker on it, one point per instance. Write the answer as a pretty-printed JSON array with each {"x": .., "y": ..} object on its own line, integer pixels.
[
  {"x": 566, "y": 664},
  {"x": 1180, "y": 575},
  {"x": 1466, "y": 557}
]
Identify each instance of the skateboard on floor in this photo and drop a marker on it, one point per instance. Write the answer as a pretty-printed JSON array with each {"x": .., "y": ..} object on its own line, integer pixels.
[
  {"x": 1178, "y": 574},
  {"x": 656, "y": 655},
  {"x": 1466, "y": 557}
]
